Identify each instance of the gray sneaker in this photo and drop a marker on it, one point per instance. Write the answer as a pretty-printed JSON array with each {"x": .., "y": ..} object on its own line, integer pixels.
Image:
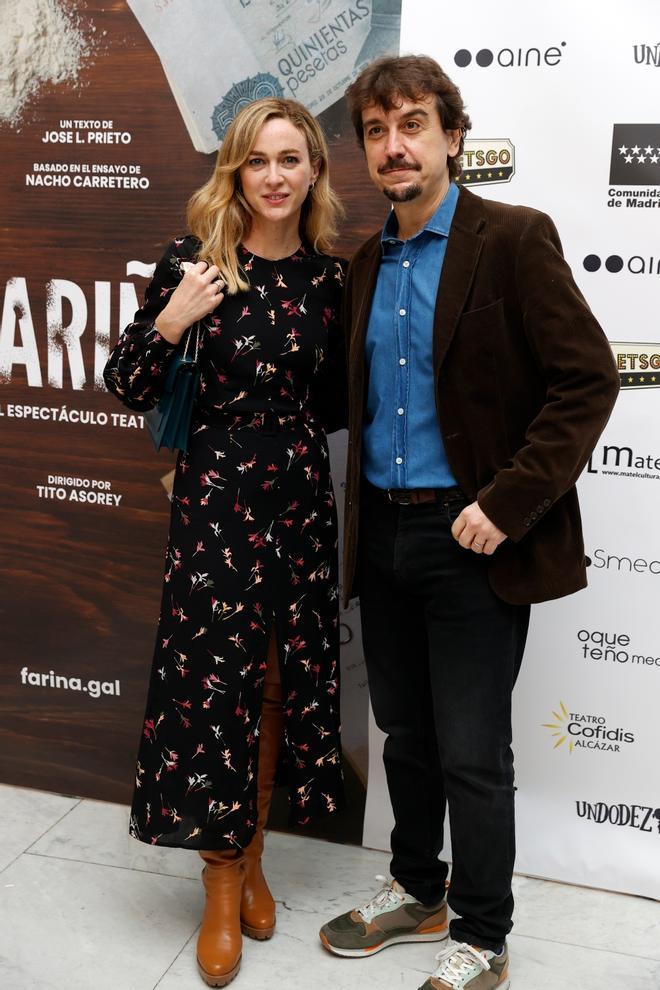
[
  {"x": 392, "y": 916},
  {"x": 466, "y": 967}
]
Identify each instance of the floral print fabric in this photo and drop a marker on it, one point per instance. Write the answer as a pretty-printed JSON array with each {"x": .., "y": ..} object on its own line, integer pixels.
[{"x": 252, "y": 546}]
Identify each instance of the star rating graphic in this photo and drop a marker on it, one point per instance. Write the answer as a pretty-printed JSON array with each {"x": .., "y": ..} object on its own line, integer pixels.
[
  {"x": 468, "y": 177},
  {"x": 640, "y": 154},
  {"x": 639, "y": 380}
]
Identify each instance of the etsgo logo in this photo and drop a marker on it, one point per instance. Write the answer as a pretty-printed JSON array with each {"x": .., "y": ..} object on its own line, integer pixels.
[
  {"x": 647, "y": 55},
  {"x": 581, "y": 731},
  {"x": 635, "y": 163},
  {"x": 636, "y": 264},
  {"x": 643, "y": 817},
  {"x": 638, "y": 364},
  {"x": 486, "y": 162},
  {"x": 511, "y": 58}
]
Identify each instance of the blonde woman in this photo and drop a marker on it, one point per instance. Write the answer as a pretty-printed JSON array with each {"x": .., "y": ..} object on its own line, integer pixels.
[{"x": 247, "y": 650}]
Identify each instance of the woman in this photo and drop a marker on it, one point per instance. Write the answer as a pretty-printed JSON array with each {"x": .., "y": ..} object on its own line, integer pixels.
[{"x": 247, "y": 651}]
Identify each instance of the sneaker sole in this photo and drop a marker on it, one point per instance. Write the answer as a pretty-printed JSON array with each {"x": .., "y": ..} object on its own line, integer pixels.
[{"x": 396, "y": 940}]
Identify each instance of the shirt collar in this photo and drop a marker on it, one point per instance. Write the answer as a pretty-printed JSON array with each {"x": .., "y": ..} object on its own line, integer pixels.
[{"x": 439, "y": 223}]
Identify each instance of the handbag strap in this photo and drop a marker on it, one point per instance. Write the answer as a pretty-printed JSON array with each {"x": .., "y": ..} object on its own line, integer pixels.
[{"x": 197, "y": 335}]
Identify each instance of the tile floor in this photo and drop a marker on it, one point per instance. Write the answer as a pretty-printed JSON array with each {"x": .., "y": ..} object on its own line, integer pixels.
[{"x": 82, "y": 906}]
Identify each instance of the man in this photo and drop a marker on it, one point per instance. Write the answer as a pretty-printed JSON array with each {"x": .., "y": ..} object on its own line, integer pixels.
[{"x": 479, "y": 383}]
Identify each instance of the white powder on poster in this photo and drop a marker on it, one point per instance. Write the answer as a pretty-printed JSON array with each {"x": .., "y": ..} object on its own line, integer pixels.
[{"x": 41, "y": 43}]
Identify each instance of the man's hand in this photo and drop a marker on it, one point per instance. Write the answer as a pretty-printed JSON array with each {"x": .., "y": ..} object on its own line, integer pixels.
[{"x": 474, "y": 531}]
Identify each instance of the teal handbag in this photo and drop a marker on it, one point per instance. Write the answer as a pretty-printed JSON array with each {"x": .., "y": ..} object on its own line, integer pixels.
[{"x": 169, "y": 421}]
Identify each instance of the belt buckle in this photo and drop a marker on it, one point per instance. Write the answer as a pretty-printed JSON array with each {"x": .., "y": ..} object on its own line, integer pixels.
[{"x": 402, "y": 500}]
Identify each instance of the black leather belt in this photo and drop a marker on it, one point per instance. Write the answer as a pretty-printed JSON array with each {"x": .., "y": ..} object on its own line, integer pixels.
[{"x": 415, "y": 496}]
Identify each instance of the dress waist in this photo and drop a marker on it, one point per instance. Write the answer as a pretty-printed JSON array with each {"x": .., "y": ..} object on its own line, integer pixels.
[{"x": 265, "y": 421}]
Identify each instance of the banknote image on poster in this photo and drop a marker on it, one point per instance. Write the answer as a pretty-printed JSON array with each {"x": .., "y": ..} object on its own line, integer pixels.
[{"x": 219, "y": 55}]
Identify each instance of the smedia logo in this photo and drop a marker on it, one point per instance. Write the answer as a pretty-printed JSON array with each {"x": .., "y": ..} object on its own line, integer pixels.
[
  {"x": 486, "y": 162},
  {"x": 601, "y": 560},
  {"x": 511, "y": 58},
  {"x": 636, "y": 264}
]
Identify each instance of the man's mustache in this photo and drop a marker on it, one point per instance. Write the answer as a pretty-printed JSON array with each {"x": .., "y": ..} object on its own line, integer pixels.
[{"x": 392, "y": 164}]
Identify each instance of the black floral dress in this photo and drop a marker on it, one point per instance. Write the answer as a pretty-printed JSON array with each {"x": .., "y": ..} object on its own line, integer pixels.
[{"x": 252, "y": 547}]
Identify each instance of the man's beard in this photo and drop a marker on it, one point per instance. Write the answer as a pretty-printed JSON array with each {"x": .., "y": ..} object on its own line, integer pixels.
[{"x": 404, "y": 195}]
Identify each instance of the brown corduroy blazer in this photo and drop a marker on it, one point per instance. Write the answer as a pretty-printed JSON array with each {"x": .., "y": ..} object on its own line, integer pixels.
[{"x": 525, "y": 383}]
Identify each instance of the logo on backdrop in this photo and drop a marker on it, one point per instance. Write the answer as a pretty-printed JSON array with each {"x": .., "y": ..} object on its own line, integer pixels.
[
  {"x": 486, "y": 162},
  {"x": 579, "y": 730},
  {"x": 643, "y": 817},
  {"x": 635, "y": 162},
  {"x": 638, "y": 364},
  {"x": 612, "y": 647},
  {"x": 601, "y": 560},
  {"x": 624, "y": 462},
  {"x": 511, "y": 58},
  {"x": 636, "y": 264},
  {"x": 647, "y": 55}
]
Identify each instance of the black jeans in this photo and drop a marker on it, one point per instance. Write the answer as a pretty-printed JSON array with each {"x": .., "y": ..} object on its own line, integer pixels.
[{"x": 442, "y": 654}]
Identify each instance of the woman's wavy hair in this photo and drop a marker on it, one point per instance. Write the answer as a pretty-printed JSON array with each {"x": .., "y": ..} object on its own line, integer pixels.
[
  {"x": 390, "y": 79},
  {"x": 218, "y": 213}
]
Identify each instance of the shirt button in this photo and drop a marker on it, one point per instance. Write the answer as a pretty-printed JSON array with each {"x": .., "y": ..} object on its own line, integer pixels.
[
  {"x": 402, "y": 360},
  {"x": 400, "y": 412},
  {"x": 402, "y": 312},
  {"x": 399, "y": 460},
  {"x": 406, "y": 264}
]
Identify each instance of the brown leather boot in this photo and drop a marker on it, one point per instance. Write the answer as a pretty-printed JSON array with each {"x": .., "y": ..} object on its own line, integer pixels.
[
  {"x": 219, "y": 943},
  {"x": 257, "y": 904}
]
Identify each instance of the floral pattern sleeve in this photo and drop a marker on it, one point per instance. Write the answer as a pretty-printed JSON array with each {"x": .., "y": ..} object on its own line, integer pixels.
[
  {"x": 137, "y": 366},
  {"x": 329, "y": 390}
]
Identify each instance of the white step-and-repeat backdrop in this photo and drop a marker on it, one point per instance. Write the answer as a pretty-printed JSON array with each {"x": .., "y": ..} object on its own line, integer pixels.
[{"x": 565, "y": 105}]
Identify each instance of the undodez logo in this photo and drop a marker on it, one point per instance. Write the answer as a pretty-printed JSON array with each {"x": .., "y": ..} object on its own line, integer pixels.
[
  {"x": 643, "y": 817},
  {"x": 512, "y": 58},
  {"x": 580, "y": 730},
  {"x": 647, "y": 54}
]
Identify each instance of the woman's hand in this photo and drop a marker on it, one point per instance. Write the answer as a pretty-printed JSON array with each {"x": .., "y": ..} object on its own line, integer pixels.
[{"x": 198, "y": 293}]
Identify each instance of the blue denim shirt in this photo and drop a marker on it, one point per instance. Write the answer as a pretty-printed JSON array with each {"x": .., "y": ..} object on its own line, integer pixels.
[{"x": 402, "y": 443}]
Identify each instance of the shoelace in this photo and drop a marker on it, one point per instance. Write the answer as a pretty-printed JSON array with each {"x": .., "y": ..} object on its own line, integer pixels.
[
  {"x": 384, "y": 898},
  {"x": 457, "y": 961}
]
